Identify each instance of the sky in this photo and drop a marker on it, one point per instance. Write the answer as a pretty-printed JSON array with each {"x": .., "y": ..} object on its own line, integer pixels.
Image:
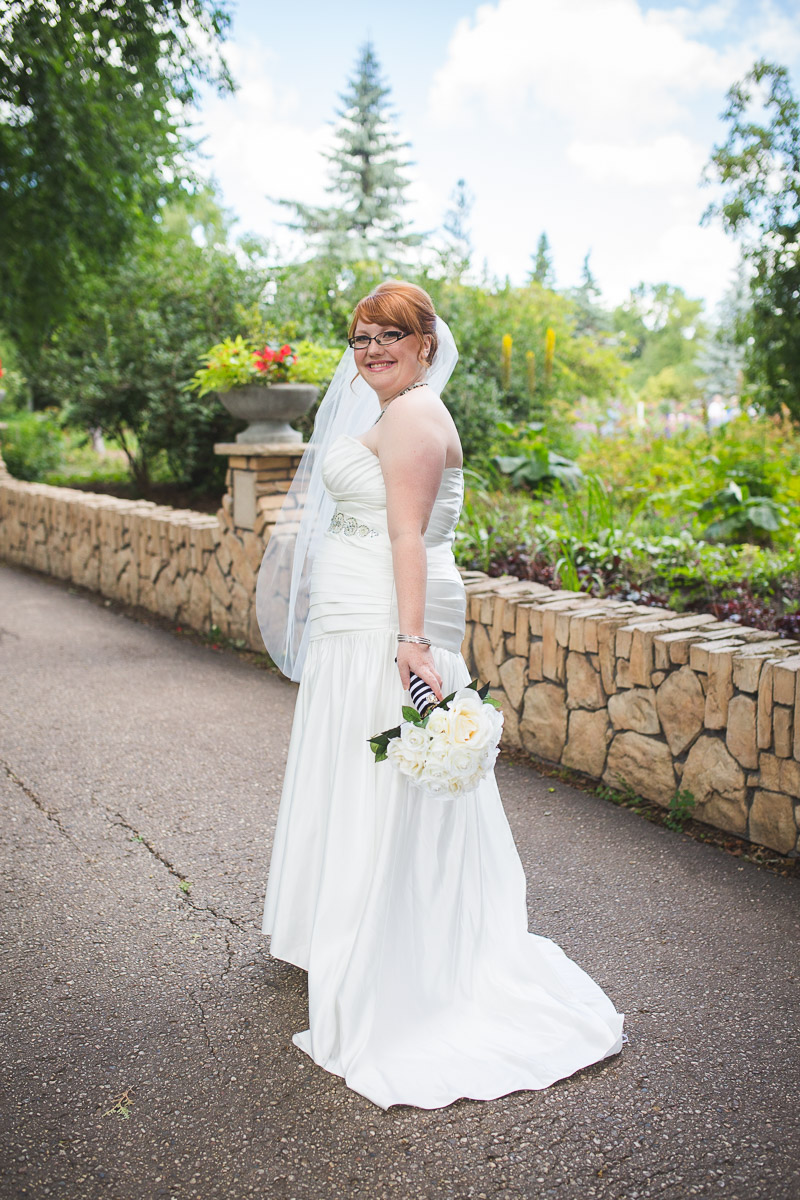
[{"x": 590, "y": 120}]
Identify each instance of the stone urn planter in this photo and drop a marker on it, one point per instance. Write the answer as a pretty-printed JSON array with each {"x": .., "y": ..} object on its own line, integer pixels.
[{"x": 269, "y": 409}]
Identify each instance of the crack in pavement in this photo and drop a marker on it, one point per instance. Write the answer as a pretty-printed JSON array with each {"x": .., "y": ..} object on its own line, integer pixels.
[
  {"x": 204, "y": 1026},
  {"x": 51, "y": 816},
  {"x": 122, "y": 823},
  {"x": 173, "y": 870}
]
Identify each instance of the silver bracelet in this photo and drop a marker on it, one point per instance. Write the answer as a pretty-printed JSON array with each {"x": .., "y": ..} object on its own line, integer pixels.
[{"x": 411, "y": 637}]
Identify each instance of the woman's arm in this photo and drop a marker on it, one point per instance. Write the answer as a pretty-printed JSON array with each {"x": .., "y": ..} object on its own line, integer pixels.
[{"x": 412, "y": 448}]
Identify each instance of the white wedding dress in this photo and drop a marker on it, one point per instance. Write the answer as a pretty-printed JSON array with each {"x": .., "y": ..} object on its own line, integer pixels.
[{"x": 408, "y": 911}]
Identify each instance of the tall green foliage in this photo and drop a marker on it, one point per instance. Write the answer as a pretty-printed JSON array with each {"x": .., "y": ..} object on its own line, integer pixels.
[
  {"x": 123, "y": 359},
  {"x": 661, "y": 329},
  {"x": 456, "y": 253},
  {"x": 89, "y": 143},
  {"x": 758, "y": 168},
  {"x": 542, "y": 271},
  {"x": 367, "y": 177}
]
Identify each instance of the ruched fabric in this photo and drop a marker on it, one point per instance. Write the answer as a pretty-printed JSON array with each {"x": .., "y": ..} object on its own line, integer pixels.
[{"x": 408, "y": 911}]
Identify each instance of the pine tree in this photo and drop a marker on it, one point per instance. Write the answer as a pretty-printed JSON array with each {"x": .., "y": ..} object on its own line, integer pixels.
[
  {"x": 366, "y": 177},
  {"x": 590, "y": 317},
  {"x": 542, "y": 271},
  {"x": 456, "y": 255}
]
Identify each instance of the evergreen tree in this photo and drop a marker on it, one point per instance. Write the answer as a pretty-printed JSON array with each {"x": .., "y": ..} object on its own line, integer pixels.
[
  {"x": 590, "y": 317},
  {"x": 366, "y": 177},
  {"x": 542, "y": 271},
  {"x": 456, "y": 256}
]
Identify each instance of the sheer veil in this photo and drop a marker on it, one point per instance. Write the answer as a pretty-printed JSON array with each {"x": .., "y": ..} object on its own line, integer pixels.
[{"x": 349, "y": 406}]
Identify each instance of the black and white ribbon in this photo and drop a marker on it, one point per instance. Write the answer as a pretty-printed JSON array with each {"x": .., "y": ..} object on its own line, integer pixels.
[{"x": 422, "y": 695}]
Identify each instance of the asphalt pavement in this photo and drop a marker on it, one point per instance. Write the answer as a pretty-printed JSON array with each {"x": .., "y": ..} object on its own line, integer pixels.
[{"x": 146, "y": 1032}]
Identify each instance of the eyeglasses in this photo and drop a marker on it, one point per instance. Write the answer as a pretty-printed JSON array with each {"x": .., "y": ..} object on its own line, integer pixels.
[{"x": 361, "y": 341}]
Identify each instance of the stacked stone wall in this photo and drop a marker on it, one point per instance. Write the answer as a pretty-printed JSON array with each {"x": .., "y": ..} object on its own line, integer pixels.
[
  {"x": 631, "y": 695},
  {"x": 647, "y": 698}
]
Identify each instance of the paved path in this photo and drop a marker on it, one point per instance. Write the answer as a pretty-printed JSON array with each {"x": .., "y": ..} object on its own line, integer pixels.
[{"x": 133, "y": 761}]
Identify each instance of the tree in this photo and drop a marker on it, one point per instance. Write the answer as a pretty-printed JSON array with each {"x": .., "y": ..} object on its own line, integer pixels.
[
  {"x": 591, "y": 319},
  {"x": 542, "y": 270},
  {"x": 456, "y": 256},
  {"x": 721, "y": 356},
  {"x": 758, "y": 169},
  {"x": 122, "y": 359},
  {"x": 366, "y": 177},
  {"x": 660, "y": 326},
  {"x": 90, "y": 141}
]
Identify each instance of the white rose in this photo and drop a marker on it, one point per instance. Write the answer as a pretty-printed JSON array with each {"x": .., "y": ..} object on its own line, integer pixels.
[
  {"x": 408, "y": 752},
  {"x": 434, "y": 787},
  {"x": 414, "y": 737},
  {"x": 439, "y": 722},
  {"x": 435, "y": 773},
  {"x": 439, "y": 748},
  {"x": 463, "y": 762},
  {"x": 471, "y": 723}
]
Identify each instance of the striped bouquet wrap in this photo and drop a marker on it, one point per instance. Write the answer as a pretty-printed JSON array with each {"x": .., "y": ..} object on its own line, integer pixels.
[{"x": 444, "y": 747}]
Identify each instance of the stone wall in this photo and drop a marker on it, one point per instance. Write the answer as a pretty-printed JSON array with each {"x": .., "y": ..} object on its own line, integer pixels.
[
  {"x": 623, "y": 693},
  {"x": 197, "y": 569},
  {"x": 649, "y": 698}
]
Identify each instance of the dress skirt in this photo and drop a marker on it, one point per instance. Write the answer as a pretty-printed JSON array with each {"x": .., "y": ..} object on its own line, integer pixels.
[{"x": 408, "y": 911}]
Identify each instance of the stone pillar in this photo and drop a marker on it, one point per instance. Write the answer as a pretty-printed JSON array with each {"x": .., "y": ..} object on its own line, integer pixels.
[{"x": 258, "y": 477}]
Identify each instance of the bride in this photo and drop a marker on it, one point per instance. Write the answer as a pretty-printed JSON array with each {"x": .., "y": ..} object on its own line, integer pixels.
[{"x": 407, "y": 910}]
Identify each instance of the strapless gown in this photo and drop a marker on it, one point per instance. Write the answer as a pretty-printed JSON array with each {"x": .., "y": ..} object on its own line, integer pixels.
[{"x": 408, "y": 911}]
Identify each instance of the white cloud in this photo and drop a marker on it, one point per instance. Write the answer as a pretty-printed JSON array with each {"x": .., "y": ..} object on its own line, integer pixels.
[
  {"x": 256, "y": 145},
  {"x": 670, "y": 159},
  {"x": 590, "y": 119},
  {"x": 595, "y": 63}
]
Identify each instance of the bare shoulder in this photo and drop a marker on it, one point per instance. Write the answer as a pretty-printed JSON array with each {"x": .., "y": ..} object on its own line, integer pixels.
[
  {"x": 421, "y": 417},
  {"x": 419, "y": 401}
]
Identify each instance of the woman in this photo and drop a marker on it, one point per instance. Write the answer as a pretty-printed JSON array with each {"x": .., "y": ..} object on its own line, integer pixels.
[{"x": 407, "y": 910}]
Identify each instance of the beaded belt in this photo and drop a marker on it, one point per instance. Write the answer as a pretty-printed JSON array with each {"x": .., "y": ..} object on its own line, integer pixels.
[{"x": 341, "y": 523}]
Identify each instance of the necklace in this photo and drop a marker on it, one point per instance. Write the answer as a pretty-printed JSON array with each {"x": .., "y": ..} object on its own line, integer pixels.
[{"x": 411, "y": 386}]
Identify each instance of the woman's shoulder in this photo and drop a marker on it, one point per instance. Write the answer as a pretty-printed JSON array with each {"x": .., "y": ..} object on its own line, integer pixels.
[
  {"x": 419, "y": 399},
  {"x": 425, "y": 419}
]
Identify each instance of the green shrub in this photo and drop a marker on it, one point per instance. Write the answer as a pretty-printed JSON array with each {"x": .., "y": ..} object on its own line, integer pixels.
[{"x": 32, "y": 445}]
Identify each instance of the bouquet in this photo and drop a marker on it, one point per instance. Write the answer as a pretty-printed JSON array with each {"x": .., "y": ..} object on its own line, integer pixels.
[{"x": 451, "y": 747}]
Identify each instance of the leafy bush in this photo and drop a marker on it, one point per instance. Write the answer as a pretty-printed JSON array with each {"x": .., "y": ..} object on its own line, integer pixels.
[
  {"x": 687, "y": 478},
  {"x": 122, "y": 361},
  {"x": 532, "y": 463},
  {"x": 742, "y": 517},
  {"x": 32, "y": 445}
]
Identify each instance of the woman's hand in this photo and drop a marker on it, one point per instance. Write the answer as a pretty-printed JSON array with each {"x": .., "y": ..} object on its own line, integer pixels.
[{"x": 413, "y": 656}]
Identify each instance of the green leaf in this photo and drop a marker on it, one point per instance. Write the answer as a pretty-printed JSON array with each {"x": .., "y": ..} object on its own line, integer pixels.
[
  {"x": 411, "y": 714},
  {"x": 764, "y": 515}
]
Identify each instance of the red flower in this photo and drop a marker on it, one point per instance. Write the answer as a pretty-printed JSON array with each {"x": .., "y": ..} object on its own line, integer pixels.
[{"x": 263, "y": 359}]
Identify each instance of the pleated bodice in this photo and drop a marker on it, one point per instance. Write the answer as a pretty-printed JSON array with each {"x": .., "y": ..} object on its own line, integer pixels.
[{"x": 352, "y": 579}]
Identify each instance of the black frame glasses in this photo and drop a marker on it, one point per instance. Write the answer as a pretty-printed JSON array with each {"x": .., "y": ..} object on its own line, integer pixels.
[{"x": 362, "y": 340}]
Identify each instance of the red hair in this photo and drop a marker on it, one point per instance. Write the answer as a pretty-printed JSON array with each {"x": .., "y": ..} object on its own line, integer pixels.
[{"x": 396, "y": 302}]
